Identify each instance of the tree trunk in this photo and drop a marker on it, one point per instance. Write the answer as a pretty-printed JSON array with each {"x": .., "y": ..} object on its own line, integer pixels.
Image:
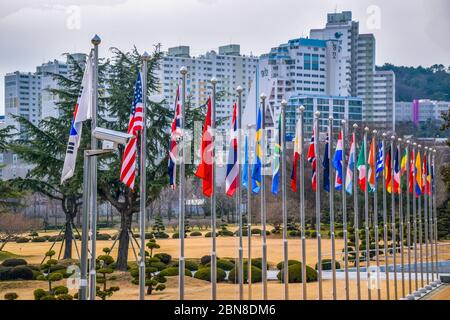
[
  {"x": 124, "y": 240},
  {"x": 68, "y": 235}
]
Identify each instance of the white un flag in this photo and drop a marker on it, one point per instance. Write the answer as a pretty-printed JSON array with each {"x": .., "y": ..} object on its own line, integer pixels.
[{"x": 83, "y": 111}]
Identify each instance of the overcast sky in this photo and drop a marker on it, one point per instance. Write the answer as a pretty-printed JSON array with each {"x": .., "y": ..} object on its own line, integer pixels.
[{"x": 408, "y": 32}]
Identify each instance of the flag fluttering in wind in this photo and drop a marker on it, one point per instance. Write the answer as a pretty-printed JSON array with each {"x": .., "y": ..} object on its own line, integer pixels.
[
  {"x": 337, "y": 163},
  {"x": 372, "y": 169},
  {"x": 135, "y": 125},
  {"x": 411, "y": 171},
  {"x": 175, "y": 135},
  {"x": 245, "y": 164},
  {"x": 204, "y": 170},
  {"x": 425, "y": 174},
  {"x": 387, "y": 171},
  {"x": 312, "y": 160},
  {"x": 326, "y": 166},
  {"x": 276, "y": 158},
  {"x": 396, "y": 173},
  {"x": 82, "y": 112},
  {"x": 362, "y": 167},
  {"x": 403, "y": 163},
  {"x": 231, "y": 180},
  {"x": 297, "y": 153},
  {"x": 350, "y": 167},
  {"x": 419, "y": 177},
  {"x": 428, "y": 182},
  {"x": 380, "y": 166},
  {"x": 257, "y": 166}
]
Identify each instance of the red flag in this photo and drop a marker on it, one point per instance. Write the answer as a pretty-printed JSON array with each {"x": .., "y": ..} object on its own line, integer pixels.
[
  {"x": 312, "y": 160},
  {"x": 204, "y": 171},
  {"x": 411, "y": 172},
  {"x": 387, "y": 171}
]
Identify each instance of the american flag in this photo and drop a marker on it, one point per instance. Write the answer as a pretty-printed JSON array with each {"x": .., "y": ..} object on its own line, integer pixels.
[
  {"x": 312, "y": 160},
  {"x": 128, "y": 169},
  {"x": 173, "y": 146}
]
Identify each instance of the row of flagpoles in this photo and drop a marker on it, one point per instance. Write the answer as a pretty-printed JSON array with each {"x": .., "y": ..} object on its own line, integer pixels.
[{"x": 382, "y": 160}]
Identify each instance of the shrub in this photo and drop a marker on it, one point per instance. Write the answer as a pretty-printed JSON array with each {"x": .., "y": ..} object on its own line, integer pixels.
[
  {"x": 149, "y": 235},
  {"x": 225, "y": 264},
  {"x": 4, "y": 273},
  {"x": 48, "y": 297},
  {"x": 56, "y": 238},
  {"x": 39, "y": 294},
  {"x": 189, "y": 264},
  {"x": 173, "y": 271},
  {"x": 327, "y": 265},
  {"x": 158, "y": 265},
  {"x": 60, "y": 290},
  {"x": 164, "y": 257},
  {"x": 313, "y": 234},
  {"x": 106, "y": 259},
  {"x": 39, "y": 239},
  {"x": 161, "y": 235},
  {"x": 196, "y": 234},
  {"x": 11, "y": 296},
  {"x": 64, "y": 297},
  {"x": 257, "y": 262},
  {"x": 295, "y": 274},
  {"x": 205, "y": 260},
  {"x": 205, "y": 274},
  {"x": 103, "y": 236},
  {"x": 225, "y": 233},
  {"x": 14, "y": 262},
  {"x": 176, "y": 235},
  {"x": 340, "y": 234},
  {"x": 209, "y": 234},
  {"x": 290, "y": 263},
  {"x": 294, "y": 233},
  {"x": 256, "y": 231},
  {"x": 21, "y": 272},
  {"x": 22, "y": 240},
  {"x": 256, "y": 274}
]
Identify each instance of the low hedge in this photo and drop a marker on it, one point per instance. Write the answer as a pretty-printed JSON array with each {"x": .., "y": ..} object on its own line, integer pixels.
[
  {"x": 195, "y": 234},
  {"x": 209, "y": 234},
  {"x": 14, "y": 262},
  {"x": 20, "y": 272},
  {"x": 22, "y": 240},
  {"x": 39, "y": 239},
  {"x": 205, "y": 274},
  {"x": 189, "y": 264},
  {"x": 327, "y": 265},
  {"x": 290, "y": 263},
  {"x": 295, "y": 274},
  {"x": 225, "y": 233},
  {"x": 173, "y": 271},
  {"x": 256, "y": 274},
  {"x": 103, "y": 236}
]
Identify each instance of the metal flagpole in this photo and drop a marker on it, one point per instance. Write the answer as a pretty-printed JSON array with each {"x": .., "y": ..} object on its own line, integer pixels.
[
  {"x": 319, "y": 237},
  {"x": 263, "y": 198},
  {"x": 366, "y": 214},
  {"x": 400, "y": 216},
  {"x": 213, "y": 196},
  {"x": 302, "y": 202},
  {"x": 182, "y": 178},
  {"x": 425, "y": 219},
  {"x": 436, "y": 239},
  {"x": 393, "y": 224},
  {"x": 344, "y": 214},
  {"x": 419, "y": 216},
  {"x": 408, "y": 214},
  {"x": 414, "y": 200},
  {"x": 385, "y": 219},
  {"x": 143, "y": 178},
  {"x": 375, "y": 216},
  {"x": 356, "y": 220},
  {"x": 283, "y": 195},
  {"x": 331, "y": 200},
  {"x": 249, "y": 214},
  {"x": 430, "y": 216},
  {"x": 85, "y": 228},
  {"x": 241, "y": 245},
  {"x": 93, "y": 175}
]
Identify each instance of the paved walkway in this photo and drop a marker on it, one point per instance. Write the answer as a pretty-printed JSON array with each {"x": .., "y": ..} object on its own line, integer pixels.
[{"x": 443, "y": 293}]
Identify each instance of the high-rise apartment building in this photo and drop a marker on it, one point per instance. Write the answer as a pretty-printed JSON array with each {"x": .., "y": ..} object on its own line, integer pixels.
[{"x": 228, "y": 66}]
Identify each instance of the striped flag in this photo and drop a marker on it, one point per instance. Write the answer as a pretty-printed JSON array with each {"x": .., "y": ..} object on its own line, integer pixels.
[
  {"x": 135, "y": 125},
  {"x": 276, "y": 158},
  {"x": 380, "y": 166},
  {"x": 362, "y": 167},
  {"x": 204, "y": 170},
  {"x": 326, "y": 166},
  {"x": 428, "y": 182},
  {"x": 411, "y": 171},
  {"x": 174, "y": 137},
  {"x": 337, "y": 163},
  {"x": 245, "y": 164},
  {"x": 297, "y": 153},
  {"x": 312, "y": 160},
  {"x": 372, "y": 169},
  {"x": 350, "y": 167},
  {"x": 231, "y": 180},
  {"x": 257, "y": 166},
  {"x": 387, "y": 171},
  {"x": 396, "y": 173},
  {"x": 419, "y": 177},
  {"x": 82, "y": 112},
  {"x": 425, "y": 174}
]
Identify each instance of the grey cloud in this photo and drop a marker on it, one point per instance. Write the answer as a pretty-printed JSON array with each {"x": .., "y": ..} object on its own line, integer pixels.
[{"x": 8, "y": 7}]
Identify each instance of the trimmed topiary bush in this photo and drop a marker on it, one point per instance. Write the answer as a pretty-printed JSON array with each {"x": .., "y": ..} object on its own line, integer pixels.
[
  {"x": 14, "y": 262},
  {"x": 173, "y": 271},
  {"x": 205, "y": 260},
  {"x": 189, "y": 264},
  {"x": 21, "y": 272},
  {"x": 226, "y": 265},
  {"x": 164, "y": 257},
  {"x": 4, "y": 273},
  {"x": 103, "y": 236},
  {"x": 39, "y": 239},
  {"x": 11, "y": 296},
  {"x": 39, "y": 294},
  {"x": 205, "y": 274},
  {"x": 295, "y": 274},
  {"x": 256, "y": 274},
  {"x": 56, "y": 238},
  {"x": 60, "y": 290},
  {"x": 290, "y": 263},
  {"x": 225, "y": 233},
  {"x": 209, "y": 234},
  {"x": 327, "y": 265},
  {"x": 22, "y": 240},
  {"x": 195, "y": 234}
]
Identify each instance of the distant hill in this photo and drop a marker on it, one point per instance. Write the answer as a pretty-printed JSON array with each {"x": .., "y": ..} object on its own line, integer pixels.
[{"x": 421, "y": 83}]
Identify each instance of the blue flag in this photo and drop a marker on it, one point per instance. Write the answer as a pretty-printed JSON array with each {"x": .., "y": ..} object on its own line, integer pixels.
[
  {"x": 257, "y": 166},
  {"x": 276, "y": 159}
]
